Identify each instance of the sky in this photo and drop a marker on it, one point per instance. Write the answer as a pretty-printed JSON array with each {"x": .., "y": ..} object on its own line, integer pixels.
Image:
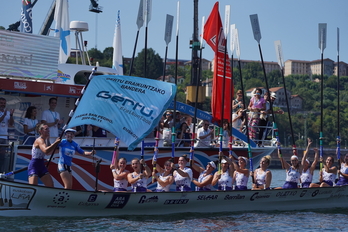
[{"x": 294, "y": 23}]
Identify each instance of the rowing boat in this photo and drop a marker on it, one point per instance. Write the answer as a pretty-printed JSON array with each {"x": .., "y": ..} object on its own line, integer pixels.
[{"x": 20, "y": 199}]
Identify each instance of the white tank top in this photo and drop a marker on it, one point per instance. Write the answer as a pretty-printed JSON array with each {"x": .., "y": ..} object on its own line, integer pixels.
[
  {"x": 241, "y": 179},
  {"x": 225, "y": 180},
  {"x": 183, "y": 181},
  {"x": 292, "y": 175},
  {"x": 306, "y": 176},
  {"x": 36, "y": 153},
  {"x": 328, "y": 176},
  {"x": 163, "y": 178},
  {"x": 261, "y": 177},
  {"x": 120, "y": 183},
  {"x": 344, "y": 169},
  {"x": 202, "y": 178},
  {"x": 139, "y": 183}
]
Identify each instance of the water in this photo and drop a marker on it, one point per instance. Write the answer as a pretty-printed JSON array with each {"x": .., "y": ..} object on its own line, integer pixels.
[{"x": 319, "y": 220}]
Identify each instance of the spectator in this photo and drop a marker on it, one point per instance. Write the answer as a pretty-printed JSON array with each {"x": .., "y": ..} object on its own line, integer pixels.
[
  {"x": 6, "y": 119},
  {"x": 257, "y": 104},
  {"x": 184, "y": 135},
  {"x": 98, "y": 132},
  {"x": 238, "y": 102},
  {"x": 205, "y": 135},
  {"x": 167, "y": 125},
  {"x": 30, "y": 125},
  {"x": 52, "y": 118}
]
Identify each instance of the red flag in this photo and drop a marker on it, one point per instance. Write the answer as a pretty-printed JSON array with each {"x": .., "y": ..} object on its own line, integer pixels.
[{"x": 214, "y": 36}]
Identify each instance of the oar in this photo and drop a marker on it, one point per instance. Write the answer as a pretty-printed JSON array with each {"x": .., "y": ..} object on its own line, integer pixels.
[
  {"x": 61, "y": 135},
  {"x": 147, "y": 18},
  {"x": 232, "y": 46},
  {"x": 279, "y": 53},
  {"x": 140, "y": 23},
  {"x": 257, "y": 36},
  {"x": 176, "y": 70},
  {"x": 322, "y": 46},
  {"x": 338, "y": 101},
  {"x": 226, "y": 31},
  {"x": 237, "y": 47}
]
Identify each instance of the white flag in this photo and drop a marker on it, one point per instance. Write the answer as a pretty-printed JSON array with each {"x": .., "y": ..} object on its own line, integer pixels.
[
  {"x": 117, "y": 62},
  {"x": 62, "y": 30}
]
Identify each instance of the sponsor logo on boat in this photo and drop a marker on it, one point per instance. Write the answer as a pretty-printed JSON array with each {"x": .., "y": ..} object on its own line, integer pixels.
[
  {"x": 320, "y": 192},
  {"x": 92, "y": 198},
  {"x": 20, "y": 85},
  {"x": 143, "y": 199},
  {"x": 256, "y": 196},
  {"x": 21, "y": 194},
  {"x": 286, "y": 193},
  {"x": 176, "y": 201},
  {"x": 207, "y": 197},
  {"x": 315, "y": 193},
  {"x": 81, "y": 203},
  {"x": 303, "y": 193},
  {"x": 59, "y": 200},
  {"x": 118, "y": 201},
  {"x": 236, "y": 197}
]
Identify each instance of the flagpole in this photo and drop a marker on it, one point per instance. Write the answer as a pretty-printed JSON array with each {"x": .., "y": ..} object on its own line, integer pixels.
[
  {"x": 140, "y": 23},
  {"x": 147, "y": 18},
  {"x": 196, "y": 97},
  {"x": 322, "y": 45}
]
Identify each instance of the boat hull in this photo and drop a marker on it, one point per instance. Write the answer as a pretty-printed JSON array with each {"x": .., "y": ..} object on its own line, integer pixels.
[{"x": 19, "y": 199}]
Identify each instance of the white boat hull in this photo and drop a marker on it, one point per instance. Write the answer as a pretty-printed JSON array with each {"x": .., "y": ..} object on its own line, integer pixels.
[{"x": 18, "y": 199}]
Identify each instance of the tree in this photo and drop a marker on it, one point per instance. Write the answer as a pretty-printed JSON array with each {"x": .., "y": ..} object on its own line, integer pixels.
[{"x": 154, "y": 64}]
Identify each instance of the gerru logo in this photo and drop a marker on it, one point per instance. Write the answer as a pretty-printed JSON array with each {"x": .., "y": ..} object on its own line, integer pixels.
[
  {"x": 145, "y": 111},
  {"x": 143, "y": 199}
]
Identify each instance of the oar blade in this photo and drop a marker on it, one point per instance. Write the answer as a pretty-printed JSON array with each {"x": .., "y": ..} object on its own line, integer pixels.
[
  {"x": 322, "y": 36},
  {"x": 168, "y": 29},
  {"x": 279, "y": 53},
  {"x": 256, "y": 27},
  {"x": 140, "y": 18}
]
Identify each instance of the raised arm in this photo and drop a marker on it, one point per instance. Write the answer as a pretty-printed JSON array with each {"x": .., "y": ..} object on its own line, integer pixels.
[
  {"x": 315, "y": 161},
  {"x": 305, "y": 153},
  {"x": 47, "y": 149}
]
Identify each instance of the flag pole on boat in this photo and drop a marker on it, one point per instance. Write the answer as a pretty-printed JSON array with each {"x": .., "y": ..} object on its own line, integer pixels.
[
  {"x": 193, "y": 137},
  {"x": 237, "y": 47},
  {"x": 167, "y": 39},
  {"x": 279, "y": 54},
  {"x": 257, "y": 36},
  {"x": 322, "y": 46},
  {"x": 226, "y": 31},
  {"x": 140, "y": 23},
  {"x": 338, "y": 101}
]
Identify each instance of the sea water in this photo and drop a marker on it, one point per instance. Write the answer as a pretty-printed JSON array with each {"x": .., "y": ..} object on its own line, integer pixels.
[{"x": 316, "y": 220}]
